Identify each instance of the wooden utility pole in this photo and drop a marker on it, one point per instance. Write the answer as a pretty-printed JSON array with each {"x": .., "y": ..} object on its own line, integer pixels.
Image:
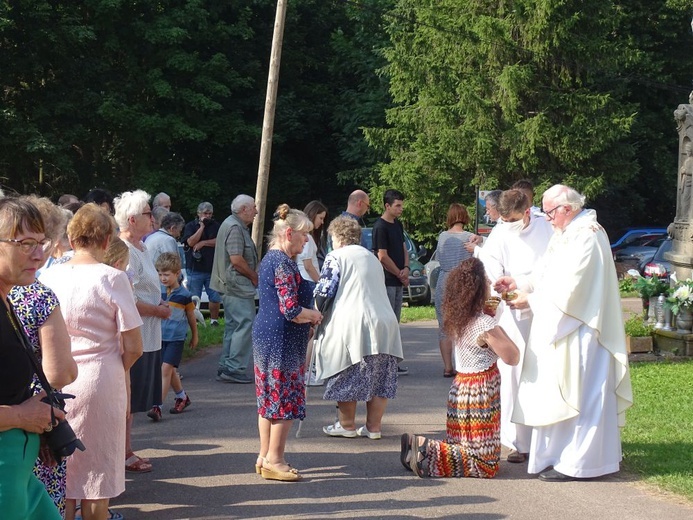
[{"x": 268, "y": 125}]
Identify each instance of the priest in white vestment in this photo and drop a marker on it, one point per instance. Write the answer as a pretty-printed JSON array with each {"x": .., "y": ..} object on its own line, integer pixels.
[
  {"x": 514, "y": 249},
  {"x": 575, "y": 383}
]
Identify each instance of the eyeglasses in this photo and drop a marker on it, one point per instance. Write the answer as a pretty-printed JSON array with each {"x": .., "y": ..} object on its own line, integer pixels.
[
  {"x": 29, "y": 245},
  {"x": 551, "y": 213},
  {"x": 146, "y": 214}
]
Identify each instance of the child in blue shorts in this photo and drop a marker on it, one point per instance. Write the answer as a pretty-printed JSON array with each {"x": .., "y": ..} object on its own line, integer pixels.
[{"x": 175, "y": 329}]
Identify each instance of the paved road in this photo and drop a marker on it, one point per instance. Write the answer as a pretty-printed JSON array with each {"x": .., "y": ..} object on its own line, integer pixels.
[{"x": 204, "y": 463}]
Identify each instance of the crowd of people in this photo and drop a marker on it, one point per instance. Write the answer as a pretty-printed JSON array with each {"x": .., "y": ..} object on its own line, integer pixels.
[{"x": 530, "y": 333}]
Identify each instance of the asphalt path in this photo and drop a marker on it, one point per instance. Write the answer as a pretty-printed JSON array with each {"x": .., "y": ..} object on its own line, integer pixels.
[{"x": 204, "y": 462}]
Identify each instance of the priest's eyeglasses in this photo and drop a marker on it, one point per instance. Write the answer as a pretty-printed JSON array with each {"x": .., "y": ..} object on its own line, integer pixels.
[
  {"x": 551, "y": 214},
  {"x": 29, "y": 245}
]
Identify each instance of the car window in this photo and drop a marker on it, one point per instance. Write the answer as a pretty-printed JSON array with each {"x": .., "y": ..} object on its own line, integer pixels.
[{"x": 665, "y": 247}]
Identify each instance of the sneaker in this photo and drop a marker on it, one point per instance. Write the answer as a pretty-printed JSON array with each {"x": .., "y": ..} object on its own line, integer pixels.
[
  {"x": 363, "y": 432},
  {"x": 242, "y": 379},
  {"x": 154, "y": 414},
  {"x": 179, "y": 405},
  {"x": 402, "y": 371},
  {"x": 336, "y": 430}
]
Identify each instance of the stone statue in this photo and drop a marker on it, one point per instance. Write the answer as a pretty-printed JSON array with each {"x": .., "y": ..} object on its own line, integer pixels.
[{"x": 686, "y": 183}]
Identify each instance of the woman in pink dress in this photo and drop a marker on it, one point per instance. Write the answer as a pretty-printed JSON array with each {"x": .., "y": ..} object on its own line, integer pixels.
[{"x": 99, "y": 310}]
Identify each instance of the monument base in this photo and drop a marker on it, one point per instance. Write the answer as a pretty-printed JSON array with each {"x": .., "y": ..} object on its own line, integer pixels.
[{"x": 681, "y": 345}]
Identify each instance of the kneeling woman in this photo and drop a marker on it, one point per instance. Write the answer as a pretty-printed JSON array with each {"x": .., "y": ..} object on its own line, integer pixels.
[
  {"x": 358, "y": 346},
  {"x": 472, "y": 447}
]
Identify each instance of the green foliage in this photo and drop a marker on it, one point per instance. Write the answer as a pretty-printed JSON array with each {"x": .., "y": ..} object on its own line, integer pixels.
[
  {"x": 658, "y": 435},
  {"x": 636, "y": 328},
  {"x": 626, "y": 287},
  {"x": 487, "y": 93},
  {"x": 649, "y": 286}
]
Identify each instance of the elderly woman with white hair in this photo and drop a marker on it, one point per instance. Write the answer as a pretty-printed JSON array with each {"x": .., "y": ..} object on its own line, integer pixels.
[
  {"x": 280, "y": 338},
  {"x": 358, "y": 346},
  {"x": 134, "y": 218}
]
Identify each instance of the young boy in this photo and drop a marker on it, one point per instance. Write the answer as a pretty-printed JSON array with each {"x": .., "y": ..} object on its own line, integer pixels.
[{"x": 175, "y": 329}]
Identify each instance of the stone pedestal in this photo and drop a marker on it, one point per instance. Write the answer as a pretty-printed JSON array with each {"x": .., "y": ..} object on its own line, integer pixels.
[
  {"x": 681, "y": 254},
  {"x": 674, "y": 342}
]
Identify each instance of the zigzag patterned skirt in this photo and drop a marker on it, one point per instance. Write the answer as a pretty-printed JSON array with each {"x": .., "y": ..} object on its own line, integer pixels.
[{"x": 472, "y": 447}]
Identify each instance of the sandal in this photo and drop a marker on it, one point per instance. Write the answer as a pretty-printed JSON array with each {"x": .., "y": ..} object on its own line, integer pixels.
[
  {"x": 449, "y": 373},
  {"x": 258, "y": 464},
  {"x": 132, "y": 454},
  {"x": 269, "y": 473},
  {"x": 137, "y": 465},
  {"x": 417, "y": 466},
  {"x": 405, "y": 451},
  {"x": 112, "y": 515}
]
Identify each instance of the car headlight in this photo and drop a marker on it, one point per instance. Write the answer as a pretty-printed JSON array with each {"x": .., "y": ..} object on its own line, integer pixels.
[{"x": 416, "y": 273}]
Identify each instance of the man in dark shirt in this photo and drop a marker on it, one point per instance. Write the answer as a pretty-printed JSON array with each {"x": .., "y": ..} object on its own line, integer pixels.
[
  {"x": 199, "y": 239},
  {"x": 389, "y": 247}
]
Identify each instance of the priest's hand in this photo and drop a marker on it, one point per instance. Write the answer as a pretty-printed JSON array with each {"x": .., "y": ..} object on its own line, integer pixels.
[
  {"x": 519, "y": 302},
  {"x": 504, "y": 284}
]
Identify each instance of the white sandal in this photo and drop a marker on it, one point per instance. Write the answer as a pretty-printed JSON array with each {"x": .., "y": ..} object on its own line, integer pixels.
[{"x": 336, "y": 430}]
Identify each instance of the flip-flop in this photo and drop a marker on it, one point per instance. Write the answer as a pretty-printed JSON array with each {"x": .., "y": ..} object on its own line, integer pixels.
[{"x": 405, "y": 451}]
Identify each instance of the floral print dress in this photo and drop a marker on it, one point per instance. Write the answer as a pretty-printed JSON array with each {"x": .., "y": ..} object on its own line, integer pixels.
[
  {"x": 33, "y": 305},
  {"x": 279, "y": 345}
]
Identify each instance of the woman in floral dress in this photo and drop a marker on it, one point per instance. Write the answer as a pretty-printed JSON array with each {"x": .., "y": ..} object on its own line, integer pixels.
[{"x": 280, "y": 336}]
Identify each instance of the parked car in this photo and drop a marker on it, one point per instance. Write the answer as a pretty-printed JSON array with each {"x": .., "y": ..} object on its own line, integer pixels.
[
  {"x": 658, "y": 265},
  {"x": 418, "y": 292},
  {"x": 627, "y": 235},
  {"x": 643, "y": 248},
  {"x": 431, "y": 272}
]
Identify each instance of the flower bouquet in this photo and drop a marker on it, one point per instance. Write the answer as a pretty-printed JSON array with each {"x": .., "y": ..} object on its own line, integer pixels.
[{"x": 682, "y": 297}]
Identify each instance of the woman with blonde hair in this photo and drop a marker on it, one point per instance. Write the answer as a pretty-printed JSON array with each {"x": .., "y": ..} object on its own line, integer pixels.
[
  {"x": 104, "y": 328},
  {"x": 280, "y": 336}
]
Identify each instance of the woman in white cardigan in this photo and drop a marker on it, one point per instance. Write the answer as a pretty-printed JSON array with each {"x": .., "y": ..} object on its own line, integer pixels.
[{"x": 358, "y": 344}]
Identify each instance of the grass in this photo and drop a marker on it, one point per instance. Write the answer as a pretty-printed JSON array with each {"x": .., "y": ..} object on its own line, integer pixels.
[
  {"x": 409, "y": 314},
  {"x": 658, "y": 436},
  {"x": 206, "y": 337}
]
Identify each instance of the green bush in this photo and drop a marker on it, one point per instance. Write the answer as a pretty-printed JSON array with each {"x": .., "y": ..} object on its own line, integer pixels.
[{"x": 636, "y": 328}]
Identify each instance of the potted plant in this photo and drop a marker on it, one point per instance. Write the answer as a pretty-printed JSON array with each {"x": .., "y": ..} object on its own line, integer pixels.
[
  {"x": 681, "y": 304},
  {"x": 649, "y": 287},
  {"x": 638, "y": 335}
]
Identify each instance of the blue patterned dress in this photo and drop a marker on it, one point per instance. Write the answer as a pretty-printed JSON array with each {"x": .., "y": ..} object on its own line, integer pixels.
[
  {"x": 33, "y": 305},
  {"x": 279, "y": 345}
]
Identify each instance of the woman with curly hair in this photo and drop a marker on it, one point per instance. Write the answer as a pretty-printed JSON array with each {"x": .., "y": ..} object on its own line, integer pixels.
[{"x": 472, "y": 447}]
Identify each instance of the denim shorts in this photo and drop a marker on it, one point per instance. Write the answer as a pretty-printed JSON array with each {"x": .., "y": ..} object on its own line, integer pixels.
[
  {"x": 197, "y": 281},
  {"x": 172, "y": 352}
]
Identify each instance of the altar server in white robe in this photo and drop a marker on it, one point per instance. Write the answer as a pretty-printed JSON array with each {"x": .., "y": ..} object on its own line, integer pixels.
[
  {"x": 575, "y": 383},
  {"x": 514, "y": 249}
]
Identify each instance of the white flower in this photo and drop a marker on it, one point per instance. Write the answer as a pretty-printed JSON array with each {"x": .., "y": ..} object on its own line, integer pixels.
[{"x": 683, "y": 293}]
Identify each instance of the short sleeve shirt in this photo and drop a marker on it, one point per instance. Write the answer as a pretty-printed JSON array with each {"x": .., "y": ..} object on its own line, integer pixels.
[
  {"x": 390, "y": 236},
  {"x": 469, "y": 356}
]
